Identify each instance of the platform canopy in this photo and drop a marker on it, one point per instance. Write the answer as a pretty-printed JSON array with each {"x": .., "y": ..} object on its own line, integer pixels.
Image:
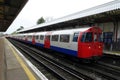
[
  {"x": 9, "y": 9},
  {"x": 108, "y": 12}
]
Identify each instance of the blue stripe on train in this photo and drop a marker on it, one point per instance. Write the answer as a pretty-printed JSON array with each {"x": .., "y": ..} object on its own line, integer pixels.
[
  {"x": 39, "y": 44},
  {"x": 30, "y": 42},
  {"x": 63, "y": 50}
]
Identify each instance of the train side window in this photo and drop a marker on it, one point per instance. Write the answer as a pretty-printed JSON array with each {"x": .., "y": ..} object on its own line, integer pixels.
[
  {"x": 41, "y": 37},
  {"x": 30, "y": 37},
  {"x": 37, "y": 37},
  {"x": 55, "y": 37},
  {"x": 64, "y": 38},
  {"x": 75, "y": 36}
]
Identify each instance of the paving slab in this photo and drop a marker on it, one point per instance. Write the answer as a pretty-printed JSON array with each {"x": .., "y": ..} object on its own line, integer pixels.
[{"x": 2, "y": 60}]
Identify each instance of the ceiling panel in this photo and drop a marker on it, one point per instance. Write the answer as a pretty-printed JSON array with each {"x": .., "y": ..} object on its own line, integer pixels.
[{"x": 9, "y": 9}]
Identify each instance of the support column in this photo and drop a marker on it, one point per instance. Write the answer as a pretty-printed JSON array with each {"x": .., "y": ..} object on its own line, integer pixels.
[{"x": 115, "y": 30}]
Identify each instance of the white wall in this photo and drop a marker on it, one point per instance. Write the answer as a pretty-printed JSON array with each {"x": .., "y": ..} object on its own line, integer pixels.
[
  {"x": 107, "y": 27},
  {"x": 118, "y": 29}
]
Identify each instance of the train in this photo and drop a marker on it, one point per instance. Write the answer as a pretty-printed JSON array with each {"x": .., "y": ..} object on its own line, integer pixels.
[{"x": 83, "y": 43}]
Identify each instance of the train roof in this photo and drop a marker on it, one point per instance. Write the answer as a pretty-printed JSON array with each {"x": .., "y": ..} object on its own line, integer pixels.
[
  {"x": 40, "y": 33},
  {"x": 70, "y": 31},
  {"x": 67, "y": 31}
]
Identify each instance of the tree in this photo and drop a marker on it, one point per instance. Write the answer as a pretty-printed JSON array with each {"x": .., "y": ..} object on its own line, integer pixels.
[
  {"x": 15, "y": 32},
  {"x": 21, "y": 27},
  {"x": 41, "y": 20}
]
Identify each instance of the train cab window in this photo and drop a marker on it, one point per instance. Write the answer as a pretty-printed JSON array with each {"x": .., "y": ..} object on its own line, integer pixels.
[
  {"x": 86, "y": 37},
  {"x": 41, "y": 37},
  {"x": 64, "y": 38},
  {"x": 55, "y": 37},
  {"x": 95, "y": 37},
  {"x": 75, "y": 37}
]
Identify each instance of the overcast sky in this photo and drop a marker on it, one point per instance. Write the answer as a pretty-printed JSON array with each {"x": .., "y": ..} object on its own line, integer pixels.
[{"x": 34, "y": 9}]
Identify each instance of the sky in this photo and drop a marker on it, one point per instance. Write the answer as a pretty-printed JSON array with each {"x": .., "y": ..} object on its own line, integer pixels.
[{"x": 49, "y": 9}]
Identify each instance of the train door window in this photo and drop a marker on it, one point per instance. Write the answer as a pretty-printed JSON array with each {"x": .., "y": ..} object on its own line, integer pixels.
[
  {"x": 24, "y": 36},
  {"x": 28, "y": 37},
  {"x": 64, "y": 38},
  {"x": 86, "y": 37},
  {"x": 47, "y": 37},
  {"x": 33, "y": 36},
  {"x": 41, "y": 37},
  {"x": 95, "y": 37},
  {"x": 75, "y": 36},
  {"x": 55, "y": 37}
]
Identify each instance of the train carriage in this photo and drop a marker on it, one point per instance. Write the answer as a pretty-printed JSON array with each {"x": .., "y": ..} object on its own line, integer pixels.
[
  {"x": 39, "y": 39},
  {"x": 83, "y": 43}
]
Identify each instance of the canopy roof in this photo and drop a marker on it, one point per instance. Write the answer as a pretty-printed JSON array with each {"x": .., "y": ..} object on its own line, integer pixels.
[
  {"x": 103, "y": 13},
  {"x": 9, "y": 9}
]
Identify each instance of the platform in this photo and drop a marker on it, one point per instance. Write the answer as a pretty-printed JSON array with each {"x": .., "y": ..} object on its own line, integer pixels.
[
  {"x": 117, "y": 53},
  {"x": 14, "y": 66}
]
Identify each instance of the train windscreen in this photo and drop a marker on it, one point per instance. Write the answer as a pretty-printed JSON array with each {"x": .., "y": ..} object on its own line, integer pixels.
[{"x": 87, "y": 37}]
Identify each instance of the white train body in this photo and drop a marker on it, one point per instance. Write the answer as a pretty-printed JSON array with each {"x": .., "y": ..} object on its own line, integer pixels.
[{"x": 67, "y": 41}]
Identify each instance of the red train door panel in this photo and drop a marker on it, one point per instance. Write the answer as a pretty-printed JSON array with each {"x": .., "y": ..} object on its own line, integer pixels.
[
  {"x": 84, "y": 45},
  {"x": 79, "y": 45},
  {"x": 26, "y": 38},
  {"x": 95, "y": 44},
  {"x": 33, "y": 39},
  {"x": 47, "y": 41},
  {"x": 97, "y": 48}
]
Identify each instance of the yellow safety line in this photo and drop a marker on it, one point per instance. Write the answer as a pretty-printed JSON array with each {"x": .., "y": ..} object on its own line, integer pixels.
[{"x": 27, "y": 71}]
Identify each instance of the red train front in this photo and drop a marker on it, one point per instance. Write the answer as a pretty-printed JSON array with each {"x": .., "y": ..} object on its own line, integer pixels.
[{"x": 90, "y": 43}]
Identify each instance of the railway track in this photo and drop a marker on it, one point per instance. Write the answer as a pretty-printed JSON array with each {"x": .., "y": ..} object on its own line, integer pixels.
[
  {"x": 111, "y": 59},
  {"x": 94, "y": 71},
  {"x": 62, "y": 72}
]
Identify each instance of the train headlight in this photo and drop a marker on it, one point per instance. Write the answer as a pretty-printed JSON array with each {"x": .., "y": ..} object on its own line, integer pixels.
[
  {"x": 89, "y": 47},
  {"x": 99, "y": 46}
]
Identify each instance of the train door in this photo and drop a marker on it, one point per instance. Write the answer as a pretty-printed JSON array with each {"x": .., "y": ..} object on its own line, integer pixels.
[
  {"x": 95, "y": 44},
  {"x": 85, "y": 44},
  {"x": 47, "y": 41},
  {"x": 26, "y": 38},
  {"x": 33, "y": 39},
  {"x": 79, "y": 45}
]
